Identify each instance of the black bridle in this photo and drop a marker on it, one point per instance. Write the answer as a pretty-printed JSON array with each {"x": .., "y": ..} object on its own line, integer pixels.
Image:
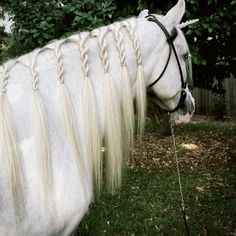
[{"x": 170, "y": 39}]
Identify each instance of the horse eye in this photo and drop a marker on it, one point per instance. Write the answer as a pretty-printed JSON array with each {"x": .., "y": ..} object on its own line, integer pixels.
[{"x": 186, "y": 56}]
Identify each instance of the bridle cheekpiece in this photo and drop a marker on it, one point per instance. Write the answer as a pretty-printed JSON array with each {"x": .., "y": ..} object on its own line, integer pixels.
[{"x": 170, "y": 39}]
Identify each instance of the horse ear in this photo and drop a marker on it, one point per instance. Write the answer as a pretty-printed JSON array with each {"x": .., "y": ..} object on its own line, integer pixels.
[
  {"x": 143, "y": 13},
  {"x": 175, "y": 14}
]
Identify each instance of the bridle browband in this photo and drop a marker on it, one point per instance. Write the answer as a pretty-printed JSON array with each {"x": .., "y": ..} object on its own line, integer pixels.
[{"x": 170, "y": 39}]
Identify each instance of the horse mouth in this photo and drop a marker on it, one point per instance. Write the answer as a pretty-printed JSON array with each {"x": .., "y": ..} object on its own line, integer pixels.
[{"x": 182, "y": 115}]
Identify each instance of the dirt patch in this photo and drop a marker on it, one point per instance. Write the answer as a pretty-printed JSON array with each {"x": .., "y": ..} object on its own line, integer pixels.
[{"x": 194, "y": 149}]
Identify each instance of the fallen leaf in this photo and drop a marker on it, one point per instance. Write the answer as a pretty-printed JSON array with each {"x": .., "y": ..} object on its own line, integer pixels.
[{"x": 200, "y": 189}]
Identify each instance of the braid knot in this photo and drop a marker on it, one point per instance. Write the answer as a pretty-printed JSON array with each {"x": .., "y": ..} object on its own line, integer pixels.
[
  {"x": 119, "y": 44},
  {"x": 103, "y": 50},
  {"x": 59, "y": 64},
  {"x": 134, "y": 38},
  {"x": 34, "y": 74},
  {"x": 4, "y": 79},
  {"x": 84, "y": 55}
]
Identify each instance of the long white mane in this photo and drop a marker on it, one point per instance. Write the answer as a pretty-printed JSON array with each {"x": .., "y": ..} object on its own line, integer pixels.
[{"x": 118, "y": 114}]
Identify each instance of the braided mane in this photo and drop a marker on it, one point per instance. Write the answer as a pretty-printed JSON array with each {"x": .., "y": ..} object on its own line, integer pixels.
[{"x": 118, "y": 119}]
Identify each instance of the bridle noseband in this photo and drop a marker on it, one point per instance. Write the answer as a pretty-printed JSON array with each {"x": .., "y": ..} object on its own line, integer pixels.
[{"x": 170, "y": 39}]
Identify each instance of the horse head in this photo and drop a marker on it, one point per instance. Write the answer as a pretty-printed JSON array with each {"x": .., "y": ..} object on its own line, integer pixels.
[{"x": 169, "y": 64}]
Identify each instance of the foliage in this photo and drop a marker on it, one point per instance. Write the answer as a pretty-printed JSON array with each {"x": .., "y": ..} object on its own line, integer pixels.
[
  {"x": 211, "y": 40},
  {"x": 3, "y": 45},
  {"x": 37, "y": 22},
  {"x": 3, "y": 40},
  {"x": 34, "y": 24},
  {"x": 3, "y": 35}
]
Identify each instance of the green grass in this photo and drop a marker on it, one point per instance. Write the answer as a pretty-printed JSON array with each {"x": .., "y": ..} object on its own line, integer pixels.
[
  {"x": 149, "y": 202},
  {"x": 213, "y": 127}
]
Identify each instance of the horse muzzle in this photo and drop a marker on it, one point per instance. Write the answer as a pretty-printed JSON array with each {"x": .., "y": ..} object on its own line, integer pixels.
[{"x": 185, "y": 111}]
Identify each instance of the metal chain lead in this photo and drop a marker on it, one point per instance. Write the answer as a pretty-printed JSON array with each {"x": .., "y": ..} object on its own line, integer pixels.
[{"x": 178, "y": 173}]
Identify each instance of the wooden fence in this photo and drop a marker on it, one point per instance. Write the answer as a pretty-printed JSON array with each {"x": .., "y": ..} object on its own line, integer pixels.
[{"x": 210, "y": 104}]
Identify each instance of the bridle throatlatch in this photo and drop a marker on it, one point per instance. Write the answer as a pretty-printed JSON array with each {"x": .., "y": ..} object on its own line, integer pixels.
[{"x": 170, "y": 39}]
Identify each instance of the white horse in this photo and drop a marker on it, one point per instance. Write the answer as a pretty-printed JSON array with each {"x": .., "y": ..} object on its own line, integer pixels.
[{"x": 60, "y": 104}]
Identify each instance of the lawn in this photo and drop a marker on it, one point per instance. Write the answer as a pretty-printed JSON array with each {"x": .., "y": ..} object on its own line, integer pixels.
[{"x": 149, "y": 202}]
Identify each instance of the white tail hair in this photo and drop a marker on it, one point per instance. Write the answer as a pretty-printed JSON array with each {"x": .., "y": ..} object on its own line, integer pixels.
[
  {"x": 140, "y": 88},
  {"x": 70, "y": 126},
  {"x": 112, "y": 120},
  {"x": 93, "y": 141},
  {"x": 92, "y": 132},
  {"x": 9, "y": 152},
  {"x": 41, "y": 140},
  {"x": 112, "y": 135},
  {"x": 127, "y": 109},
  {"x": 69, "y": 118},
  {"x": 141, "y": 100},
  {"x": 42, "y": 150}
]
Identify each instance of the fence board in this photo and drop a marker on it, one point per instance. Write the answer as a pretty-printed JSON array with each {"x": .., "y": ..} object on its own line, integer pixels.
[{"x": 210, "y": 104}]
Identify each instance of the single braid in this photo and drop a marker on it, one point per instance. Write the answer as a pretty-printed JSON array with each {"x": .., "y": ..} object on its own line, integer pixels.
[
  {"x": 134, "y": 38},
  {"x": 127, "y": 109},
  {"x": 60, "y": 64},
  {"x": 119, "y": 44},
  {"x": 84, "y": 55},
  {"x": 34, "y": 73},
  {"x": 103, "y": 50},
  {"x": 5, "y": 76},
  {"x": 140, "y": 88}
]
